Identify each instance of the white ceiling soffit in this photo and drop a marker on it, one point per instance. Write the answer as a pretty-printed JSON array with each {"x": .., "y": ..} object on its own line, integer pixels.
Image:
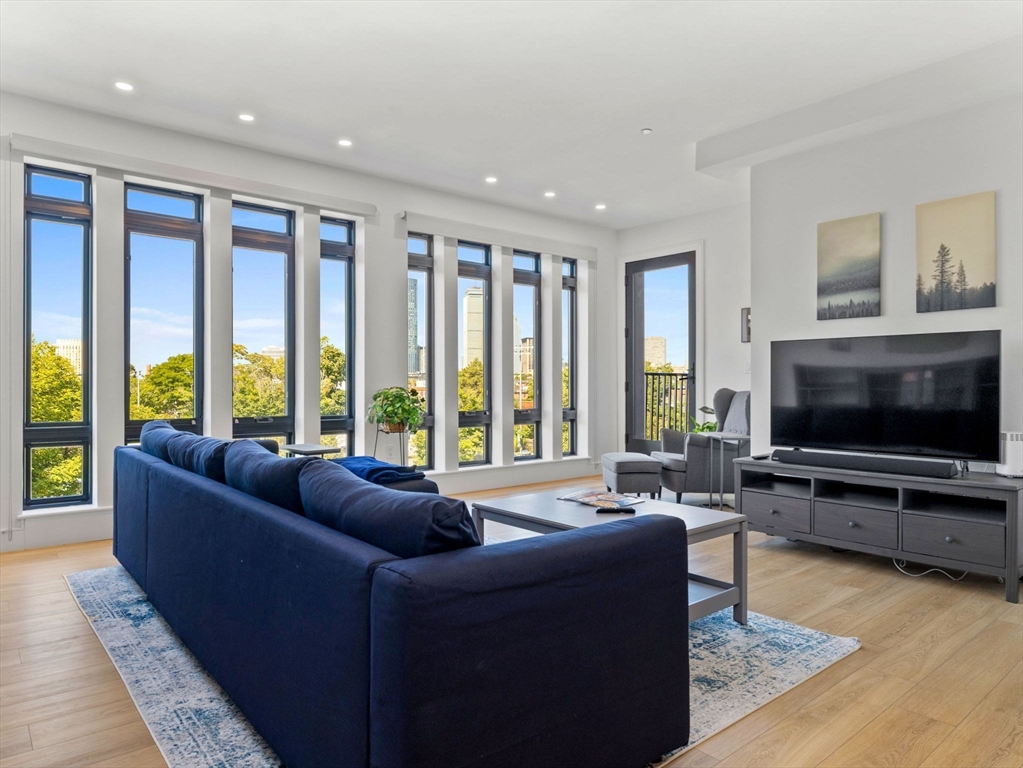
[
  {"x": 989, "y": 73},
  {"x": 544, "y": 96}
]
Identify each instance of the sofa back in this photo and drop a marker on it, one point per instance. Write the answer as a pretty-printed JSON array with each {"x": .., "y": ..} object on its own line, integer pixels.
[{"x": 275, "y": 606}]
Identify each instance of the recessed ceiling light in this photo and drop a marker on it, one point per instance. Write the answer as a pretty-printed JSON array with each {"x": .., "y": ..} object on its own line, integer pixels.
[
  {"x": 345, "y": 143},
  {"x": 548, "y": 194},
  {"x": 600, "y": 206},
  {"x": 124, "y": 86},
  {"x": 246, "y": 118},
  {"x": 491, "y": 179},
  {"x": 646, "y": 131}
]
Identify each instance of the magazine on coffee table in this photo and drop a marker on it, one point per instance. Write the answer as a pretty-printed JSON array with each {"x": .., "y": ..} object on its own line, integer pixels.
[{"x": 602, "y": 499}]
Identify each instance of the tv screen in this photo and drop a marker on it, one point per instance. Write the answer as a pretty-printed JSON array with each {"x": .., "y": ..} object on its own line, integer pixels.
[{"x": 926, "y": 394}]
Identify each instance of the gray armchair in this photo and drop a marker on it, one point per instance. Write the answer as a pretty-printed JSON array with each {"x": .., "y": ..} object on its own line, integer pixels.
[{"x": 685, "y": 457}]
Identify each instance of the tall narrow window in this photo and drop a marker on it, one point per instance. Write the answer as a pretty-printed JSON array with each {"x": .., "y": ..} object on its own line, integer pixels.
[
  {"x": 474, "y": 416},
  {"x": 568, "y": 356},
  {"x": 337, "y": 333},
  {"x": 420, "y": 343},
  {"x": 526, "y": 355},
  {"x": 163, "y": 275},
  {"x": 264, "y": 327},
  {"x": 58, "y": 356}
]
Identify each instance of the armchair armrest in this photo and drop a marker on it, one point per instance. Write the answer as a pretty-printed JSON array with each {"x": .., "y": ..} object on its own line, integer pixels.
[{"x": 566, "y": 649}]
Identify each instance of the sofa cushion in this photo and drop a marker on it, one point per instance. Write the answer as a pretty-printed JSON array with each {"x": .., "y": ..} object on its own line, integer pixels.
[
  {"x": 201, "y": 455},
  {"x": 676, "y": 462},
  {"x": 252, "y": 469},
  {"x": 404, "y": 523},
  {"x": 629, "y": 463},
  {"x": 156, "y": 435}
]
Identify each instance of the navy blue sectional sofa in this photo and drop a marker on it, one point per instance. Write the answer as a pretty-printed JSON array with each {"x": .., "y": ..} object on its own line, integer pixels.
[{"x": 563, "y": 650}]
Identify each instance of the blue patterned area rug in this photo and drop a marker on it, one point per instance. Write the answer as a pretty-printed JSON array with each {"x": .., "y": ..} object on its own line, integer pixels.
[{"x": 733, "y": 669}]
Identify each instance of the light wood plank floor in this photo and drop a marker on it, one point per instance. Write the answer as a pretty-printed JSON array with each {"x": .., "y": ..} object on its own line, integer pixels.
[{"x": 937, "y": 683}]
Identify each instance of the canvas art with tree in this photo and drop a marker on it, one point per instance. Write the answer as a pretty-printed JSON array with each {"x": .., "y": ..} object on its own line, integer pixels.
[{"x": 955, "y": 253}]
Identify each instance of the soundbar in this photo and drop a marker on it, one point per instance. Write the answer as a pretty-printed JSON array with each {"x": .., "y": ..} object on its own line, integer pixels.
[{"x": 915, "y": 467}]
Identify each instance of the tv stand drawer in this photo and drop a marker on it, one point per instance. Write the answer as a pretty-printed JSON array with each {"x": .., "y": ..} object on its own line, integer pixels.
[
  {"x": 773, "y": 511},
  {"x": 961, "y": 540},
  {"x": 863, "y": 525}
]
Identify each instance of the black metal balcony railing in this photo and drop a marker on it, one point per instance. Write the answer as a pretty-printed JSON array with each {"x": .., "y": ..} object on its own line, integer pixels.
[{"x": 667, "y": 403}]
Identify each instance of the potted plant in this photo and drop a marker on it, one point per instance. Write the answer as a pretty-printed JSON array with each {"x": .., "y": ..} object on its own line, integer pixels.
[
  {"x": 707, "y": 426},
  {"x": 396, "y": 410}
]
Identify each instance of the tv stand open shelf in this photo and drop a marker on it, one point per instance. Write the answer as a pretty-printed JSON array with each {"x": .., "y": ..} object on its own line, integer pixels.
[{"x": 968, "y": 523}]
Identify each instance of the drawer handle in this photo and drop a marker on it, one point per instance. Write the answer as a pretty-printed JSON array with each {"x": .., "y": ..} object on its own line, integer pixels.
[
  {"x": 772, "y": 511},
  {"x": 852, "y": 524},
  {"x": 949, "y": 540}
]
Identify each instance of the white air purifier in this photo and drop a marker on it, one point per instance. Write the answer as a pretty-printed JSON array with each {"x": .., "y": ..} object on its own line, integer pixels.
[{"x": 1012, "y": 455}]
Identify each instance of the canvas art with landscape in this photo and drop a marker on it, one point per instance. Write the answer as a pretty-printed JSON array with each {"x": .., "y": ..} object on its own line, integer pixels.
[
  {"x": 955, "y": 253},
  {"x": 849, "y": 267}
]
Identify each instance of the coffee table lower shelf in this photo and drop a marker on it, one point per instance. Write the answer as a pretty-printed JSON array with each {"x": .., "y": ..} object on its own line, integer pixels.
[{"x": 707, "y": 596}]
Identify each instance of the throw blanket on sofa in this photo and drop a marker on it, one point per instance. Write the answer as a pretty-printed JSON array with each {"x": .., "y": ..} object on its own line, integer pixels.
[{"x": 376, "y": 471}]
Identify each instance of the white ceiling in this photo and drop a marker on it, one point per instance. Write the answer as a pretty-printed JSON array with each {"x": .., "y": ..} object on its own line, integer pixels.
[{"x": 543, "y": 95}]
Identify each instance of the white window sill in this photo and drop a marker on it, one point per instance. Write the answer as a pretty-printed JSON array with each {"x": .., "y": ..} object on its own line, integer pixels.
[{"x": 76, "y": 509}]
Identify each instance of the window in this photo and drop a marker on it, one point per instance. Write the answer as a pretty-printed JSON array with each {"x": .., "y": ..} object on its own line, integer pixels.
[
  {"x": 337, "y": 333},
  {"x": 568, "y": 356},
  {"x": 264, "y": 328},
  {"x": 58, "y": 357},
  {"x": 473, "y": 354},
  {"x": 163, "y": 293},
  {"x": 420, "y": 343},
  {"x": 526, "y": 355}
]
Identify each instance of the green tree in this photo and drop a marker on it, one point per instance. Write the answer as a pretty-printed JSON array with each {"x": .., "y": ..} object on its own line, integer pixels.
[
  {"x": 259, "y": 384},
  {"x": 471, "y": 440},
  {"x": 333, "y": 373},
  {"x": 942, "y": 274},
  {"x": 55, "y": 396},
  {"x": 166, "y": 392}
]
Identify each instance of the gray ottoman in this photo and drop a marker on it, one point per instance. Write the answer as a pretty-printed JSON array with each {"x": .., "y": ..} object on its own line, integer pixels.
[{"x": 632, "y": 473}]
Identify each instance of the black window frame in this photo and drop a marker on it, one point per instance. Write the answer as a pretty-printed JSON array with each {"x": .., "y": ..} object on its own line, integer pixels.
[
  {"x": 333, "y": 250},
  {"x": 58, "y": 434},
  {"x": 418, "y": 262},
  {"x": 532, "y": 415},
  {"x": 472, "y": 270},
  {"x": 275, "y": 242},
  {"x": 569, "y": 284},
  {"x": 179, "y": 228}
]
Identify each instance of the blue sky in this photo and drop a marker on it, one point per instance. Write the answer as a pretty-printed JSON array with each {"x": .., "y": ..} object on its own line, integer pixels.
[
  {"x": 56, "y": 280},
  {"x": 667, "y": 312}
]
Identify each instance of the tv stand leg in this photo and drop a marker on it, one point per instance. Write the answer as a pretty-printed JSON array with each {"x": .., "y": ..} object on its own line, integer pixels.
[{"x": 1012, "y": 534}]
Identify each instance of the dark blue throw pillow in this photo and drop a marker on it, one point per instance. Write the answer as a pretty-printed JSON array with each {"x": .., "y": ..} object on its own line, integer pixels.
[
  {"x": 156, "y": 435},
  {"x": 201, "y": 455},
  {"x": 403, "y": 523},
  {"x": 252, "y": 469}
]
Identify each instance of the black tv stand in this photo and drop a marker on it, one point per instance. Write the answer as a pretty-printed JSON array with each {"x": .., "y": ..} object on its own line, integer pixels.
[{"x": 968, "y": 523}]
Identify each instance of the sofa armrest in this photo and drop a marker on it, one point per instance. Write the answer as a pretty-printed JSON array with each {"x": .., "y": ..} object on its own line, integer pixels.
[
  {"x": 567, "y": 649},
  {"x": 673, "y": 441}
]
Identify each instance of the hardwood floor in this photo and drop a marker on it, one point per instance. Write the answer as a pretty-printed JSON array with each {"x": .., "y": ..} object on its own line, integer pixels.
[{"x": 937, "y": 683}]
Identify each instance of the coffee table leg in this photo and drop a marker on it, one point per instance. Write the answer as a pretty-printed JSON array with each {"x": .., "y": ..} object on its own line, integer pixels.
[
  {"x": 739, "y": 568},
  {"x": 477, "y": 519}
]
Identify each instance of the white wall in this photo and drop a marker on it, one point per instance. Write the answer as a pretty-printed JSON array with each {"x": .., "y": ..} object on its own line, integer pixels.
[
  {"x": 381, "y": 305},
  {"x": 722, "y": 240},
  {"x": 959, "y": 153}
]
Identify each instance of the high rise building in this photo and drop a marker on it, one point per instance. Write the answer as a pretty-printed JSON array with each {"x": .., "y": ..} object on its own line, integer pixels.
[
  {"x": 414, "y": 365},
  {"x": 71, "y": 350},
  {"x": 273, "y": 351},
  {"x": 526, "y": 358},
  {"x": 474, "y": 325},
  {"x": 655, "y": 350},
  {"x": 516, "y": 346}
]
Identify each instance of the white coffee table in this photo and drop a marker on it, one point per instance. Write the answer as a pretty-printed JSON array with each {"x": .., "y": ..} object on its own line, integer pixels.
[{"x": 546, "y": 513}]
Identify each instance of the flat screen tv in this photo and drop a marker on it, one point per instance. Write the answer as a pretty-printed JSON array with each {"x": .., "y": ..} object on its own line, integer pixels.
[{"x": 925, "y": 394}]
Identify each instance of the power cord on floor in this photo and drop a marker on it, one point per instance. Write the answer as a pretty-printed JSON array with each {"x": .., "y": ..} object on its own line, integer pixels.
[{"x": 902, "y": 569}]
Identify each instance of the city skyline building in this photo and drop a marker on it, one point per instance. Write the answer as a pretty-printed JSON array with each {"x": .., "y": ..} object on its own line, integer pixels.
[
  {"x": 71, "y": 350},
  {"x": 414, "y": 358},
  {"x": 474, "y": 325},
  {"x": 273, "y": 351},
  {"x": 655, "y": 350}
]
